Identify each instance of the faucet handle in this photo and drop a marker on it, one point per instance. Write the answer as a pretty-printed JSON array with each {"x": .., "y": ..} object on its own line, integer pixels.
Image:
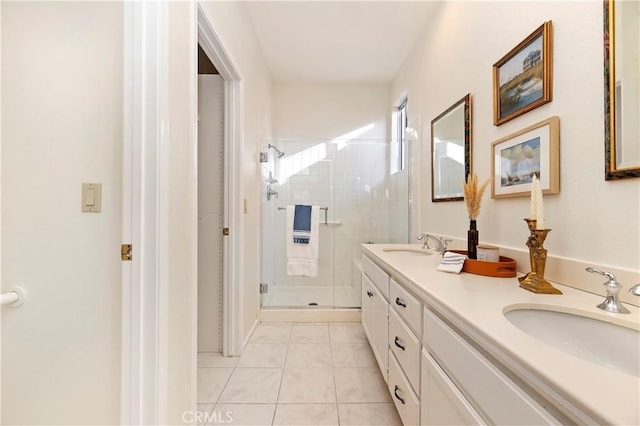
[
  {"x": 612, "y": 278},
  {"x": 445, "y": 244},
  {"x": 423, "y": 236},
  {"x": 611, "y": 302},
  {"x": 635, "y": 290}
]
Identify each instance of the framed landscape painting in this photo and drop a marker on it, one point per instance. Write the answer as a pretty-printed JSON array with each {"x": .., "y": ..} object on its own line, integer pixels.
[
  {"x": 516, "y": 158},
  {"x": 522, "y": 79}
]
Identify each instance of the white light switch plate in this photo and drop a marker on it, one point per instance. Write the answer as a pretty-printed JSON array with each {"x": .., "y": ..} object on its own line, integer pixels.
[{"x": 91, "y": 197}]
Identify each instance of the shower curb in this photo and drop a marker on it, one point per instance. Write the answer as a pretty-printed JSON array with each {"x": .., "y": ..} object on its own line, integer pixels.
[{"x": 310, "y": 315}]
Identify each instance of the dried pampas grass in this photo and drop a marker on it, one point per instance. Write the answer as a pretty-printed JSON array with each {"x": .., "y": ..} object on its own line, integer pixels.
[{"x": 473, "y": 195}]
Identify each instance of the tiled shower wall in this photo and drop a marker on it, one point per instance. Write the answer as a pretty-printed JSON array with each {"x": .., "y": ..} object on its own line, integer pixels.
[{"x": 352, "y": 179}]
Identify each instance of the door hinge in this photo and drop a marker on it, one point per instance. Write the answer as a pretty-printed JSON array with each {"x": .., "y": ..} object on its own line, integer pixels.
[
  {"x": 264, "y": 288},
  {"x": 225, "y": 231},
  {"x": 125, "y": 252}
]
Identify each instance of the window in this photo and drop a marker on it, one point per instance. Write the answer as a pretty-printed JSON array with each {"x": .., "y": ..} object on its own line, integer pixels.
[{"x": 398, "y": 128}]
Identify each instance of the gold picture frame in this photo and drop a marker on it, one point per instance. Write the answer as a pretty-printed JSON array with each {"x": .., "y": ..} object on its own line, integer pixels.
[
  {"x": 517, "y": 157},
  {"x": 522, "y": 79}
]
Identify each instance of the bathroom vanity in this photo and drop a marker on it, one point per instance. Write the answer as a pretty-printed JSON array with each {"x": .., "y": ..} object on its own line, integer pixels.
[{"x": 450, "y": 354}]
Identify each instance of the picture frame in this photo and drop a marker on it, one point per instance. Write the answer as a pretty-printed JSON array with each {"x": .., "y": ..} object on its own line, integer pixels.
[
  {"x": 522, "y": 79},
  {"x": 517, "y": 157}
]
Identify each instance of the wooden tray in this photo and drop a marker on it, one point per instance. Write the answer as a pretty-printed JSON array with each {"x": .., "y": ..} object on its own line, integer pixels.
[{"x": 506, "y": 268}]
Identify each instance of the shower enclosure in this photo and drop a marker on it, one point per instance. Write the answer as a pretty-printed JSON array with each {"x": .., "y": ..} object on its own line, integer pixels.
[{"x": 363, "y": 201}]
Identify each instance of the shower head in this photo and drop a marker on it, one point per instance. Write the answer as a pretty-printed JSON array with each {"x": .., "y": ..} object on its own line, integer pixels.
[{"x": 280, "y": 153}]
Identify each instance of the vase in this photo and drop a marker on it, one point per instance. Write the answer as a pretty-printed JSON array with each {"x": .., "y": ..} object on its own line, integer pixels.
[{"x": 472, "y": 240}]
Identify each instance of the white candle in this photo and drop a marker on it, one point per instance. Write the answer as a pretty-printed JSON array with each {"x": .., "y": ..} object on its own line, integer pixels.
[
  {"x": 533, "y": 214},
  {"x": 540, "y": 207}
]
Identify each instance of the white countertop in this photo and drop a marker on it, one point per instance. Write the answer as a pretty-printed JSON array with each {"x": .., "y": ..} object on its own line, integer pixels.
[{"x": 476, "y": 304}]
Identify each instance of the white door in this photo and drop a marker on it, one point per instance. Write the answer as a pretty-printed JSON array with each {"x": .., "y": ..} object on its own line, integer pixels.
[
  {"x": 62, "y": 103},
  {"x": 210, "y": 211}
]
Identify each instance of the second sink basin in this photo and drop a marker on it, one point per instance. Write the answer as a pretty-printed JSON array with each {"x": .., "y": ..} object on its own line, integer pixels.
[
  {"x": 409, "y": 251},
  {"x": 598, "y": 341}
]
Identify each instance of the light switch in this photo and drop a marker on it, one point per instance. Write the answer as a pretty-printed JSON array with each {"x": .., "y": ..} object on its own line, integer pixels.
[{"x": 91, "y": 197}]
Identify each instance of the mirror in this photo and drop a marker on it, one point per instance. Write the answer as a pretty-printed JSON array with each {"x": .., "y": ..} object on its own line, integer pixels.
[
  {"x": 622, "y": 89},
  {"x": 451, "y": 151}
]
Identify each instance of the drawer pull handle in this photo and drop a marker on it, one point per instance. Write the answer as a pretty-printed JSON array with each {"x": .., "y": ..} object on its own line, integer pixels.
[
  {"x": 400, "y": 302},
  {"x": 398, "y": 344},
  {"x": 369, "y": 293},
  {"x": 398, "y": 397}
]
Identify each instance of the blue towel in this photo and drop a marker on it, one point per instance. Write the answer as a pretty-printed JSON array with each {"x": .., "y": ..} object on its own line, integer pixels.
[{"x": 302, "y": 224}]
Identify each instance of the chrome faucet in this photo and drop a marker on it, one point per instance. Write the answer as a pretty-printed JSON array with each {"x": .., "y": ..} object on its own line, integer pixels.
[
  {"x": 271, "y": 192},
  {"x": 611, "y": 302},
  {"x": 440, "y": 242}
]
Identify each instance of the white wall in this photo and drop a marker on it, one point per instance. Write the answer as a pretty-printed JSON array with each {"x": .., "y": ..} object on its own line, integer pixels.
[
  {"x": 62, "y": 125},
  {"x": 592, "y": 220},
  {"x": 231, "y": 23},
  {"x": 311, "y": 111}
]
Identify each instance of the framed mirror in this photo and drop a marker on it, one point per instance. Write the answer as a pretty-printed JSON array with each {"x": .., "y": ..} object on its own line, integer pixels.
[
  {"x": 622, "y": 89},
  {"x": 451, "y": 151}
]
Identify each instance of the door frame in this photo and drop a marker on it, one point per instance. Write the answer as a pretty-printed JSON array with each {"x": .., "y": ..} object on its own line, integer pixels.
[
  {"x": 145, "y": 207},
  {"x": 144, "y": 214},
  {"x": 232, "y": 276}
]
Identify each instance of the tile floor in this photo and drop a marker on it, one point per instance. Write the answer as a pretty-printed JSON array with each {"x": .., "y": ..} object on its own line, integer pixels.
[{"x": 296, "y": 374}]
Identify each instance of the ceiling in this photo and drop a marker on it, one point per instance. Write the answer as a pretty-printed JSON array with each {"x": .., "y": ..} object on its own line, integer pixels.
[{"x": 338, "y": 41}]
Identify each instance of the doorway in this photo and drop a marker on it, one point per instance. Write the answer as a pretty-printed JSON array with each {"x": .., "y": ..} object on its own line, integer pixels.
[
  {"x": 210, "y": 204},
  {"x": 232, "y": 271}
]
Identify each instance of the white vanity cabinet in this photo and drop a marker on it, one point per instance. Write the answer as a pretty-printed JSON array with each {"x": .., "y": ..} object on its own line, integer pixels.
[
  {"x": 367, "y": 317},
  {"x": 442, "y": 401},
  {"x": 405, "y": 312},
  {"x": 473, "y": 381},
  {"x": 435, "y": 373},
  {"x": 405, "y": 399},
  {"x": 375, "y": 312}
]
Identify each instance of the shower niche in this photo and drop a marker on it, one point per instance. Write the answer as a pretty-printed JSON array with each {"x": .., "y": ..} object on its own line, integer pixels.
[{"x": 364, "y": 203}]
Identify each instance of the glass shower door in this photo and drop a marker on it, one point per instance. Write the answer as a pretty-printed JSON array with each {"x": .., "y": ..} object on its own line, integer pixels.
[{"x": 302, "y": 175}]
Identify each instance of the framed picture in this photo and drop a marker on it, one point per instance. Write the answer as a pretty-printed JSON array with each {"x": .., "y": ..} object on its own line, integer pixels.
[
  {"x": 522, "y": 78},
  {"x": 531, "y": 151}
]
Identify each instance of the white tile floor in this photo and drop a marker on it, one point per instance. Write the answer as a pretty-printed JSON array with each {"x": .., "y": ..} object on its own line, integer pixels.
[{"x": 296, "y": 374}]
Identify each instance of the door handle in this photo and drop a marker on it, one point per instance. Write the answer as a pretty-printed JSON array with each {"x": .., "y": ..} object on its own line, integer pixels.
[
  {"x": 400, "y": 302},
  {"x": 398, "y": 344}
]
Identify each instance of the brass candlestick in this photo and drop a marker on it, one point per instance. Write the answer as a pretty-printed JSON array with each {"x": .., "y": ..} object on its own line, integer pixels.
[{"x": 534, "y": 281}]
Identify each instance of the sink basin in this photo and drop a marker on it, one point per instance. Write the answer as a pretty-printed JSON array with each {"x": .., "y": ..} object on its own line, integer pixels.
[
  {"x": 598, "y": 341},
  {"x": 409, "y": 251}
]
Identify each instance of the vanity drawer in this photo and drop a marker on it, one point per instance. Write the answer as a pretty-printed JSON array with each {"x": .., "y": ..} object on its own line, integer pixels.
[
  {"x": 406, "y": 402},
  {"x": 377, "y": 276},
  {"x": 409, "y": 308},
  {"x": 406, "y": 347},
  {"x": 481, "y": 382},
  {"x": 442, "y": 402}
]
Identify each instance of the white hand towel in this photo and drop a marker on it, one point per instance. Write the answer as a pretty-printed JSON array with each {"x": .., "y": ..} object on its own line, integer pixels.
[
  {"x": 452, "y": 262},
  {"x": 302, "y": 259}
]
